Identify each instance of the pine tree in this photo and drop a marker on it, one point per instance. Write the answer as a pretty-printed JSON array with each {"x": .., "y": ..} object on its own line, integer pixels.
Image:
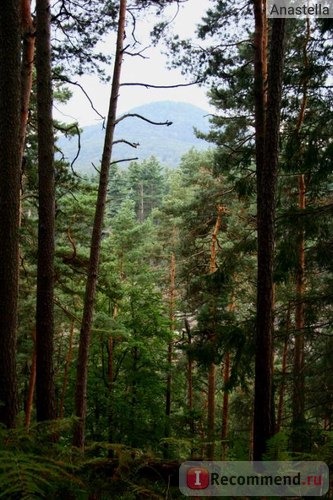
[
  {"x": 10, "y": 168},
  {"x": 45, "y": 396}
]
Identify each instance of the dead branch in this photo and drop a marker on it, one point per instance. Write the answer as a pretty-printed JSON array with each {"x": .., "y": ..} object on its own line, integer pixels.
[
  {"x": 132, "y": 144},
  {"x": 124, "y": 159},
  {"x": 136, "y": 115},
  {"x": 134, "y": 26},
  {"x": 67, "y": 80},
  {"x": 137, "y": 54},
  {"x": 151, "y": 86}
]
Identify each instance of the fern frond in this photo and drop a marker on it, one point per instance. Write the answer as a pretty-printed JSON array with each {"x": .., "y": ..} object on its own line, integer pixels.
[{"x": 31, "y": 476}]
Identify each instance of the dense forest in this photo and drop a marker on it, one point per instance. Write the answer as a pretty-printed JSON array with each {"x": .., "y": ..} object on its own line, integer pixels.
[{"x": 152, "y": 315}]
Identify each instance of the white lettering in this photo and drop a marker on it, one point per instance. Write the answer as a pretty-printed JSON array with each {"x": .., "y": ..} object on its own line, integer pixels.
[{"x": 197, "y": 478}]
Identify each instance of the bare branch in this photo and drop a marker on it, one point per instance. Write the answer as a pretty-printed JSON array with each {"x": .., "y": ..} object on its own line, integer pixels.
[
  {"x": 77, "y": 152},
  {"x": 151, "y": 86},
  {"x": 139, "y": 54},
  {"x": 124, "y": 159},
  {"x": 134, "y": 26},
  {"x": 136, "y": 115},
  {"x": 96, "y": 169},
  {"x": 65, "y": 130},
  {"x": 67, "y": 80},
  {"x": 132, "y": 144}
]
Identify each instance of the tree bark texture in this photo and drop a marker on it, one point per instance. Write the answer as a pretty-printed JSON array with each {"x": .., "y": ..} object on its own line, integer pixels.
[
  {"x": 10, "y": 169},
  {"x": 225, "y": 403},
  {"x": 211, "y": 412},
  {"x": 212, "y": 367},
  {"x": 28, "y": 55},
  {"x": 111, "y": 377},
  {"x": 87, "y": 318},
  {"x": 172, "y": 291},
  {"x": 32, "y": 384},
  {"x": 189, "y": 376},
  {"x": 283, "y": 373},
  {"x": 267, "y": 124},
  {"x": 298, "y": 418},
  {"x": 68, "y": 361},
  {"x": 45, "y": 395},
  {"x": 225, "y": 406},
  {"x": 298, "y": 368}
]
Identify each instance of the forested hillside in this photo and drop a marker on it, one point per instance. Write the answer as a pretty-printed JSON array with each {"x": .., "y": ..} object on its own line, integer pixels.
[
  {"x": 166, "y": 144},
  {"x": 152, "y": 315}
]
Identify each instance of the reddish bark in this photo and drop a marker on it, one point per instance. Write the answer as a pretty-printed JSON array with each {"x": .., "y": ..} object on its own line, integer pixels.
[
  {"x": 283, "y": 373},
  {"x": 172, "y": 292},
  {"x": 212, "y": 367},
  {"x": 189, "y": 377},
  {"x": 225, "y": 406},
  {"x": 45, "y": 391},
  {"x": 298, "y": 369},
  {"x": 267, "y": 124}
]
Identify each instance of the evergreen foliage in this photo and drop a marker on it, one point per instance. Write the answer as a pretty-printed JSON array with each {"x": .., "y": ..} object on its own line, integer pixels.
[{"x": 176, "y": 290}]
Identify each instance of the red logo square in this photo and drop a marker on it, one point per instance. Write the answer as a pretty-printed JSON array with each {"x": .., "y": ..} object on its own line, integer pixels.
[{"x": 197, "y": 478}]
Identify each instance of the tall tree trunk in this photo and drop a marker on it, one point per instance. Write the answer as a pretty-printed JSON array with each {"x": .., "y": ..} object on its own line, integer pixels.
[
  {"x": 298, "y": 369},
  {"x": 298, "y": 419},
  {"x": 172, "y": 290},
  {"x": 212, "y": 367},
  {"x": 189, "y": 377},
  {"x": 134, "y": 398},
  {"x": 211, "y": 412},
  {"x": 68, "y": 361},
  {"x": 28, "y": 54},
  {"x": 225, "y": 403},
  {"x": 111, "y": 348},
  {"x": 264, "y": 41},
  {"x": 85, "y": 333},
  {"x": 32, "y": 384},
  {"x": 283, "y": 372},
  {"x": 261, "y": 428},
  {"x": 225, "y": 406},
  {"x": 45, "y": 392},
  {"x": 10, "y": 169},
  {"x": 267, "y": 135}
]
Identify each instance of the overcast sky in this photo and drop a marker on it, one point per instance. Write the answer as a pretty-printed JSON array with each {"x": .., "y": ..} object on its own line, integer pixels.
[{"x": 135, "y": 69}]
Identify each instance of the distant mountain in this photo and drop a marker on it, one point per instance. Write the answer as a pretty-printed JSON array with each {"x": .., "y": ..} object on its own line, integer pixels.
[{"x": 167, "y": 143}]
